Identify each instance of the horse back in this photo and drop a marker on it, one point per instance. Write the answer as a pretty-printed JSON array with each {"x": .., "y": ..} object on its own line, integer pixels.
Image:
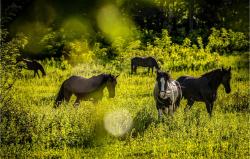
[
  {"x": 81, "y": 85},
  {"x": 193, "y": 88},
  {"x": 144, "y": 61}
]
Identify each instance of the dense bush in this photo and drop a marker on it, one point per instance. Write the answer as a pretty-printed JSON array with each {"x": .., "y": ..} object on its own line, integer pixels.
[
  {"x": 22, "y": 124},
  {"x": 188, "y": 55},
  {"x": 16, "y": 125},
  {"x": 175, "y": 56},
  {"x": 226, "y": 41},
  {"x": 10, "y": 52}
]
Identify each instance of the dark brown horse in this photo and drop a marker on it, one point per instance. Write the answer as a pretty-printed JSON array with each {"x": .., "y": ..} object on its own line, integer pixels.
[
  {"x": 149, "y": 62},
  {"x": 33, "y": 65},
  {"x": 205, "y": 87},
  {"x": 86, "y": 88},
  {"x": 167, "y": 94}
]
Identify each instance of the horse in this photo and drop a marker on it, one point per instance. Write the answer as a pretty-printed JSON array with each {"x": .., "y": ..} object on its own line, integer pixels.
[
  {"x": 149, "y": 62},
  {"x": 205, "y": 87},
  {"x": 86, "y": 88},
  {"x": 167, "y": 94},
  {"x": 33, "y": 65}
]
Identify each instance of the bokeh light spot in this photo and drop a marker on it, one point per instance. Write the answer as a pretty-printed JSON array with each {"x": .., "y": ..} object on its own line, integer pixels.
[{"x": 118, "y": 122}]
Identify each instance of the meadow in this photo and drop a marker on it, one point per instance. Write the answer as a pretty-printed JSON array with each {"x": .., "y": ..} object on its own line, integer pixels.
[{"x": 125, "y": 126}]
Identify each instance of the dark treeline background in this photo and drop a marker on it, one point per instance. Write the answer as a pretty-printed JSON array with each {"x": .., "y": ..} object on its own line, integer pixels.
[{"x": 182, "y": 18}]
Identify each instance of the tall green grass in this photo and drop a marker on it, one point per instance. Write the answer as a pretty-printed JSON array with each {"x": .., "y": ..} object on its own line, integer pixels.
[{"x": 31, "y": 127}]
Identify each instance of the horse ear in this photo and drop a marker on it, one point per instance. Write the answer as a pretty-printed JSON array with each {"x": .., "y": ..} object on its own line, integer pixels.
[
  {"x": 229, "y": 69},
  {"x": 222, "y": 68},
  {"x": 117, "y": 76}
]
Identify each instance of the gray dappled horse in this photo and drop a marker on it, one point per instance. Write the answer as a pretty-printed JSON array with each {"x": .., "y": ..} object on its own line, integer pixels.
[
  {"x": 86, "y": 88},
  {"x": 149, "y": 62},
  {"x": 167, "y": 94},
  {"x": 205, "y": 87},
  {"x": 33, "y": 65}
]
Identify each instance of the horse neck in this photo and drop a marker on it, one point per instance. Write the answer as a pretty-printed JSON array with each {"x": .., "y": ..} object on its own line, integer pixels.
[
  {"x": 38, "y": 66},
  {"x": 102, "y": 84},
  {"x": 214, "y": 80}
]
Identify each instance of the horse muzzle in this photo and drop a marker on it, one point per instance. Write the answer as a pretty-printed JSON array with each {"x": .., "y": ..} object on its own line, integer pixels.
[
  {"x": 165, "y": 94},
  {"x": 228, "y": 90},
  {"x": 162, "y": 94}
]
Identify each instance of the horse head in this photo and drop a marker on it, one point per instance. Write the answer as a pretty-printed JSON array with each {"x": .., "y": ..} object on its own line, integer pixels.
[
  {"x": 226, "y": 77},
  {"x": 111, "y": 83},
  {"x": 162, "y": 81}
]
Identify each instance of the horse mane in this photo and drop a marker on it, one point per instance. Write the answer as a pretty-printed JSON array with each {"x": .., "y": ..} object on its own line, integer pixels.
[
  {"x": 213, "y": 77},
  {"x": 211, "y": 73},
  {"x": 167, "y": 75},
  {"x": 101, "y": 78}
]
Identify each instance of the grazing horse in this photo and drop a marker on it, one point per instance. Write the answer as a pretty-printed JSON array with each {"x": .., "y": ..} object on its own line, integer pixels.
[
  {"x": 167, "y": 94},
  {"x": 149, "y": 62},
  {"x": 33, "y": 65},
  {"x": 205, "y": 87},
  {"x": 86, "y": 88}
]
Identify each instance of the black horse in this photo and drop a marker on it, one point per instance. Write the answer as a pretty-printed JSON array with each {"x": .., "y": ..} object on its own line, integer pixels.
[
  {"x": 149, "y": 62},
  {"x": 167, "y": 94},
  {"x": 205, "y": 87},
  {"x": 33, "y": 65},
  {"x": 86, "y": 89}
]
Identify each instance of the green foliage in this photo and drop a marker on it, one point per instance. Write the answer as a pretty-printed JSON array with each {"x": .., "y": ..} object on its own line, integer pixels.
[
  {"x": 225, "y": 41},
  {"x": 51, "y": 42},
  {"x": 31, "y": 127},
  {"x": 8, "y": 66},
  {"x": 175, "y": 56}
]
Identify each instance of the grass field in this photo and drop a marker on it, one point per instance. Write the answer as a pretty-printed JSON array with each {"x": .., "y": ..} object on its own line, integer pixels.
[{"x": 125, "y": 126}]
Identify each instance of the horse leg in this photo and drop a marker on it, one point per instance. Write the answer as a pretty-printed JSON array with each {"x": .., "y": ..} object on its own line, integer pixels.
[
  {"x": 67, "y": 96},
  {"x": 37, "y": 74},
  {"x": 34, "y": 73},
  {"x": 159, "y": 114},
  {"x": 148, "y": 70},
  {"x": 166, "y": 111},
  {"x": 212, "y": 105},
  {"x": 171, "y": 109},
  {"x": 209, "y": 106},
  {"x": 77, "y": 102},
  {"x": 178, "y": 101},
  {"x": 152, "y": 70},
  {"x": 132, "y": 69},
  {"x": 189, "y": 104}
]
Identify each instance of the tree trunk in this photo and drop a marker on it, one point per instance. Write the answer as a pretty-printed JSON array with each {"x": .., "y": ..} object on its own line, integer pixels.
[{"x": 190, "y": 15}]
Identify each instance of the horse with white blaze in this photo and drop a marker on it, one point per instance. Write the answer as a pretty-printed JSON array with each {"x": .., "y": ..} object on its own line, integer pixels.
[{"x": 167, "y": 94}]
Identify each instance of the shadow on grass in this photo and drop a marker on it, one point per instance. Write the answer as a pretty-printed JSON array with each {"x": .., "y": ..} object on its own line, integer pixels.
[{"x": 142, "y": 120}]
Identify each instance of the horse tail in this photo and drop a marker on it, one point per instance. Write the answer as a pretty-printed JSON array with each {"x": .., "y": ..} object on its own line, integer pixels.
[
  {"x": 40, "y": 67},
  {"x": 180, "y": 89},
  {"x": 132, "y": 65},
  {"x": 60, "y": 96}
]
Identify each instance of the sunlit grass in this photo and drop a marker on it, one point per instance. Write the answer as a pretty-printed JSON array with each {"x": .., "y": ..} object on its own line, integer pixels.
[{"x": 70, "y": 132}]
